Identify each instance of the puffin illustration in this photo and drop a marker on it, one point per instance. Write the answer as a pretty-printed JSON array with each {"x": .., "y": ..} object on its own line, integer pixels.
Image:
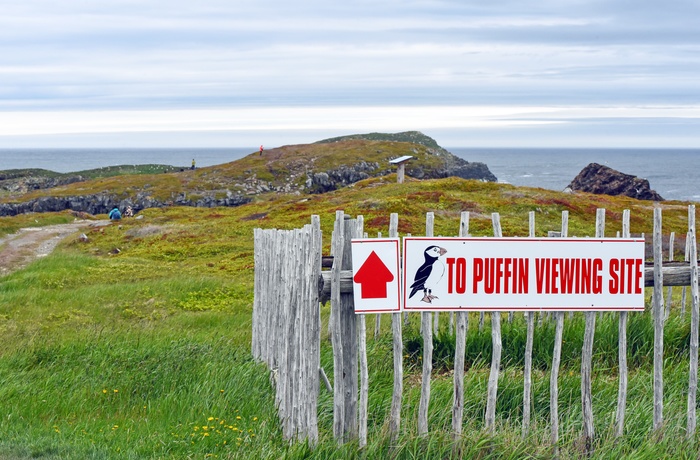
[{"x": 429, "y": 274}]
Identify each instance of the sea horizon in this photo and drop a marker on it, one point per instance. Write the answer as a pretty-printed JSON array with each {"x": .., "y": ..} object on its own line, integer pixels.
[{"x": 673, "y": 172}]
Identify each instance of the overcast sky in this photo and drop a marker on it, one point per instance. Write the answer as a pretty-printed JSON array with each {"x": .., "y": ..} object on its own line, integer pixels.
[{"x": 228, "y": 73}]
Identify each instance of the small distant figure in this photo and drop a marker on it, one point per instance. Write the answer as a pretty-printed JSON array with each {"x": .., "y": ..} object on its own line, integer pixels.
[
  {"x": 261, "y": 149},
  {"x": 129, "y": 212},
  {"x": 114, "y": 214},
  {"x": 192, "y": 164}
]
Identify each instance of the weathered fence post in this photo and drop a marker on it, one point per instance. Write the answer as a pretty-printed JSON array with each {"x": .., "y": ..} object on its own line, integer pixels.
[
  {"x": 694, "y": 324},
  {"x": 344, "y": 334},
  {"x": 622, "y": 350},
  {"x": 669, "y": 295},
  {"x": 396, "y": 398},
  {"x": 314, "y": 338},
  {"x": 427, "y": 332},
  {"x": 686, "y": 258},
  {"x": 335, "y": 329},
  {"x": 362, "y": 353},
  {"x": 587, "y": 356},
  {"x": 378, "y": 316},
  {"x": 460, "y": 347},
  {"x": 658, "y": 311},
  {"x": 556, "y": 357},
  {"x": 527, "y": 370},
  {"x": 492, "y": 390}
]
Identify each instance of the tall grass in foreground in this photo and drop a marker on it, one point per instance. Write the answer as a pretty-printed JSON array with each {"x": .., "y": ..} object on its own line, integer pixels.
[{"x": 142, "y": 394}]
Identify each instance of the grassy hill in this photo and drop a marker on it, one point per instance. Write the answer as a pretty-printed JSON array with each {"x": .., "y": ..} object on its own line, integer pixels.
[
  {"x": 145, "y": 352},
  {"x": 286, "y": 169}
]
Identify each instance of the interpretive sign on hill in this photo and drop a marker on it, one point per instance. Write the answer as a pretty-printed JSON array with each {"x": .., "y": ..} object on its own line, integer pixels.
[
  {"x": 376, "y": 277},
  {"x": 523, "y": 274}
]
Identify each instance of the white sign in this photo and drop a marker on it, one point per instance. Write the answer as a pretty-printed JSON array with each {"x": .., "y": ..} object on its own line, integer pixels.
[
  {"x": 376, "y": 275},
  {"x": 523, "y": 274}
]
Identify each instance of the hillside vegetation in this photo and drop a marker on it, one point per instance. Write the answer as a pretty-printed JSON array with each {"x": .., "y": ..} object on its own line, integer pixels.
[
  {"x": 301, "y": 169},
  {"x": 136, "y": 343}
]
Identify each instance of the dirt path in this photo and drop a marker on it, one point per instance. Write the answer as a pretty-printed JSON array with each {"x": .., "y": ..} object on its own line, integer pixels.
[{"x": 28, "y": 244}]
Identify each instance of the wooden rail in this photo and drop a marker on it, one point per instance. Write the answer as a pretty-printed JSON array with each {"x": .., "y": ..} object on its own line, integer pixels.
[{"x": 674, "y": 273}]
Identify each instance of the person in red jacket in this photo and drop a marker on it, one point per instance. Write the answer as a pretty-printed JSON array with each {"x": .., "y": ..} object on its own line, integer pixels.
[{"x": 261, "y": 149}]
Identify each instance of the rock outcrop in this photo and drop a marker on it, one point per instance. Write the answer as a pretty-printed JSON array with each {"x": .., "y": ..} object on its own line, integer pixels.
[
  {"x": 18, "y": 185},
  {"x": 602, "y": 180},
  {"x": 102, "y": 203},
  {"x": 333, "y": 179}
]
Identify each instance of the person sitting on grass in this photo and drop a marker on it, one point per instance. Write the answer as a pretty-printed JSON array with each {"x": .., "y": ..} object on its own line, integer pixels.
[{"x": 114, "y": 214}]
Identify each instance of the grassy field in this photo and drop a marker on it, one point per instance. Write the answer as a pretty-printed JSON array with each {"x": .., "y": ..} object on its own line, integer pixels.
[{"x": 144, "y": 352}]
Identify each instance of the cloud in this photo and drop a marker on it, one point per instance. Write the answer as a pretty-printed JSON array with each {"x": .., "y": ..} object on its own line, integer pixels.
[{"x": 177, "y": 60}]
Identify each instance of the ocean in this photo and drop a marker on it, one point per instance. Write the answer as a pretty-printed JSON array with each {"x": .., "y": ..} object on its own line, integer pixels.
[{"x": 673, "y": 173}]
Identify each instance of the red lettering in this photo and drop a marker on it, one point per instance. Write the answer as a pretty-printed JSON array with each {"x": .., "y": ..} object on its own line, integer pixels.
[
  {"x": 597, "y": 277},
  {"x": 523, "y": 275},
  {"x": 450, "y": 264},
  {"x": 478, "y": 274},
  {"x": 638, "y": 276},
  {"x": 461, "y": 285},
  {"x": 488, "y": 285},
  {"x": 615, "y": 282},
  {"x": 585, "y": 276},
  {"x": 568, "y": 269},
  {"x": 625, "y": 276},
  {"x": 498, "y": 274},
  {"x": 540, "y": 274},
  {"x": 507, "y": 273},
  {"x": 555, "y": 275}
]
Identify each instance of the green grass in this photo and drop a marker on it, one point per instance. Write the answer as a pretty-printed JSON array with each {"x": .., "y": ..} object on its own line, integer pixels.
[{"x": 166, "y": 321}]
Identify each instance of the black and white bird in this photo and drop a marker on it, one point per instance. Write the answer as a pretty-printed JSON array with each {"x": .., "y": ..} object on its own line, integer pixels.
[{"x": 429, "y": 274}]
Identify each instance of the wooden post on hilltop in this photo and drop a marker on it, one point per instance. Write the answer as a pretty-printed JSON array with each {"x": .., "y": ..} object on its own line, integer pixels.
[
  {"x": 658, "y": 312},
  {"x": 427, "y": 331},
  {"x": 492, "y": 389},
  {"x": 527, "y": 370},
  {"x": 694, "y": 324},
  {"x": 622, "y": 351},
  {"x": 396, "y": 322},
  {"x": 400, "y": 167},
  {"x": 460, "y": 347}
]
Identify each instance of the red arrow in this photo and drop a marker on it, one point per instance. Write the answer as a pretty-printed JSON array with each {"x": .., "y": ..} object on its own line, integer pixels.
[{"x": 373, "y": 276}]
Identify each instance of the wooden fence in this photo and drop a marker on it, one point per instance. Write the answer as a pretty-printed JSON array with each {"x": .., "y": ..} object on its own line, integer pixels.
[
  {"x": 287, "y": 322},
  {"x": 289, "y": 284}
]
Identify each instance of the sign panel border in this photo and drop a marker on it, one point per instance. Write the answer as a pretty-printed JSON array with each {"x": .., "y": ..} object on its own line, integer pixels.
[
  {"x": 398, "y": 308},
  {"x": 507, "y": 308}
]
